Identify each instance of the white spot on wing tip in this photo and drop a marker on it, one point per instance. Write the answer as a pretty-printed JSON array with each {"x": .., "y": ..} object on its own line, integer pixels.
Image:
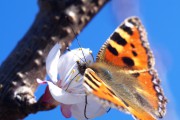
[{"x": 128, "y": 24}]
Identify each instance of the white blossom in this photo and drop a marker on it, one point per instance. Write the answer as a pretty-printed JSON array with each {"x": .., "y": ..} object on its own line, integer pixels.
[{"x": 66, "y": 84}]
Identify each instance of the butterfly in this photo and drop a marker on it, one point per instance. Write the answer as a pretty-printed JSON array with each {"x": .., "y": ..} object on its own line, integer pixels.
[{"x": 123, "y": 75}]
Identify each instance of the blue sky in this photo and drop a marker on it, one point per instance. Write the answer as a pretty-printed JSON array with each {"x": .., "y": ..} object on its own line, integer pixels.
[{"x": 160, "y": 18}]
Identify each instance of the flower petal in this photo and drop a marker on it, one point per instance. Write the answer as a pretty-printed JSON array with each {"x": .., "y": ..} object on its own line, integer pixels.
[
  {"x": 68, "y": 69},
  {"x": 52, "y": 62},
  {"x": 62, "y": 96},
  {"x": 69, "y": 91},
  {"x": 88, "y": 109},
  {"x": 66, "y": 110}
]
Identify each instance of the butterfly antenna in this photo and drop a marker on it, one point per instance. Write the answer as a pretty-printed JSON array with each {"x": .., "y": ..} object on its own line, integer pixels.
[{"x": 78, "y": 43}]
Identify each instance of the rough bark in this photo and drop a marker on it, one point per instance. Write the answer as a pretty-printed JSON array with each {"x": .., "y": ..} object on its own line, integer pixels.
[{"x": 26, "y": 62}]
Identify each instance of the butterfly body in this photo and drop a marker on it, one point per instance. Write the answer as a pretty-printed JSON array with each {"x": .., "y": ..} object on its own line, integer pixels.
[{"x": 123, "y": 75}]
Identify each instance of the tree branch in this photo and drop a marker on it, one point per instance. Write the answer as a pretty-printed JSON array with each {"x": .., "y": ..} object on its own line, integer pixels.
[{"x": 26, "y": 62}]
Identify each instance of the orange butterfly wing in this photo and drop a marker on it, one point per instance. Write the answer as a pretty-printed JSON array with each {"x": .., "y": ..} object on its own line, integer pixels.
[
  {"x": 95, "y": 85},
  {"x": 149, "y": 82},
  {"x": 99, "y": 89},
  {"x": 128, "y": 49}
]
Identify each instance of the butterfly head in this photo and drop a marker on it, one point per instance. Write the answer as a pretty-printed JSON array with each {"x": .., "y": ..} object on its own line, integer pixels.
[{"x": 81, "y": 67}]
